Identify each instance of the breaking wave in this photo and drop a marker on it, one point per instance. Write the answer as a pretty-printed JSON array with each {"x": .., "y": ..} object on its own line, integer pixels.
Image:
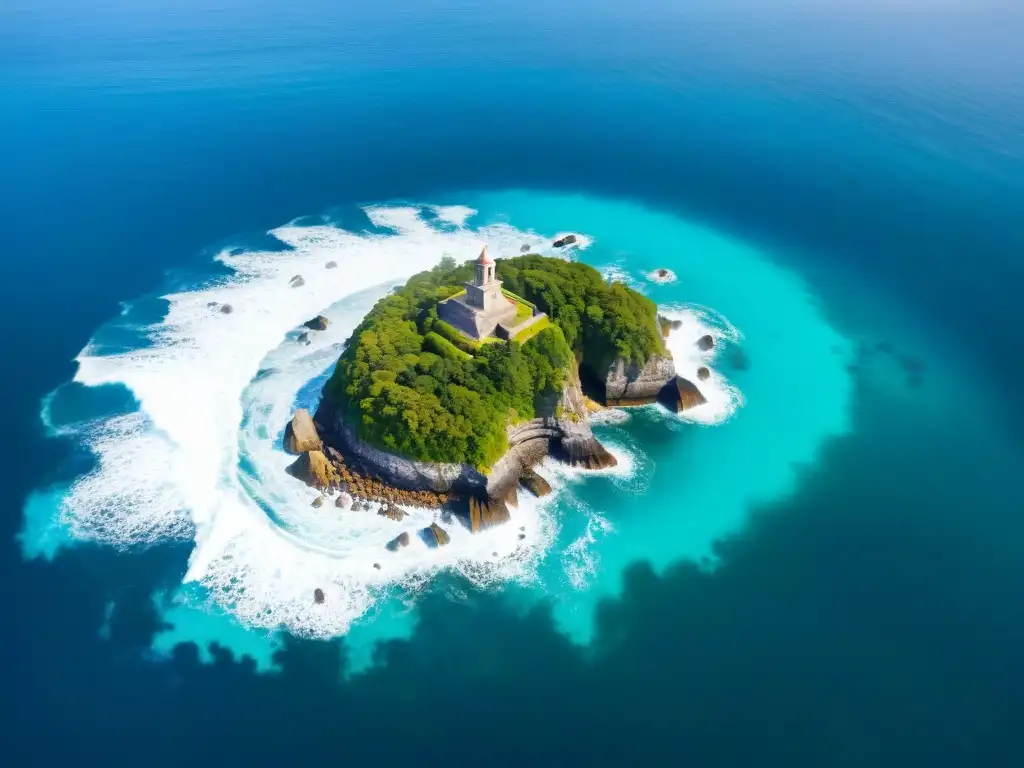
[{"x": 199, "y": 454}]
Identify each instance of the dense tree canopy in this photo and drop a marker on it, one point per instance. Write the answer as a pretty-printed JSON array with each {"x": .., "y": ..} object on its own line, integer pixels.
[{"x": 409, "y": 386}]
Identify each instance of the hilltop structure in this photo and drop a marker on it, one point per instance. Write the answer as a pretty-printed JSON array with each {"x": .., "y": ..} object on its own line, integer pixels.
[{"x": 484, "y": 309}]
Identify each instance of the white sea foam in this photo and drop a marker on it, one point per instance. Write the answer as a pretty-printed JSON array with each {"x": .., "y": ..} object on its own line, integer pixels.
[
  {"x": 201, "y": 458},
  {"x": 656, "y": 276},
  {"x": 723, "y": 397}
]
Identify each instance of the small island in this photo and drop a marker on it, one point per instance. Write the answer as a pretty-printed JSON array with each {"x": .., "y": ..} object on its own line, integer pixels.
[{"x": 458, "y": 383}]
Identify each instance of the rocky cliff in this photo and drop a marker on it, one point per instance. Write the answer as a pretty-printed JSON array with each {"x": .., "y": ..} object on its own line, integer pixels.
[{"x": 629, "y": 384}]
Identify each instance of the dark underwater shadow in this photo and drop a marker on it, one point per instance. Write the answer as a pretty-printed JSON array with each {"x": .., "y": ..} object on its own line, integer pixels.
[{"x": 872, "y": 619}]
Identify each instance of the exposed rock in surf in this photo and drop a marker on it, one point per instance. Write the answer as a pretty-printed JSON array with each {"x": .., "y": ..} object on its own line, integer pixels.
[
  {"x": 522, "y": 536},
  {"x": 703, "y": 373},
  {"x": 300, "y": 435},
  {"x": 226, "y": 309},
  {"x": 435, "y": 536},
  {"x": 525, "y": 248},
  {"x": 377, "y": 566},
  {"x": 512, "y": 497},
  {"x": 485, "y": 513},
  {"x": 318, "y": 323},
  {"x": 296, "y": 281},
  {"x": 585, "y": 452},
  {"x": 397, "y": 543},
  {"x": 314, "y": 470},
  {"x": 689, "y": 395},
  {"x": 344, "y": 501},
  {"x": 662, "y": 275},
  {"x": 534, "y": 483},
  {"x": 303, "y": 338},
  {"x": 391, "y": 512},
  {"x": 667, "y": 325},
  {"x": 318, "y": 596},
  {"x": 331, "y": 265},
  {"x": 318, "y": 502},
  {"x": 628, "y": 384},
  {"x": 564, "y": 241},
  {"x": 706, "y": 342}
]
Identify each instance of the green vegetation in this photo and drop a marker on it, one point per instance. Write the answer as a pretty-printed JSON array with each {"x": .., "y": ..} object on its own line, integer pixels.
[
  {"x": 534, "y": 328},
  {"x": 601, "y": 321},
  {"x": 412, "y": 384}
]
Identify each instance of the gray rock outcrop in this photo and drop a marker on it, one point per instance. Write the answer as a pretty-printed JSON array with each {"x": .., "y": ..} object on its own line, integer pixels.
[{"x": 629, "y": 384}]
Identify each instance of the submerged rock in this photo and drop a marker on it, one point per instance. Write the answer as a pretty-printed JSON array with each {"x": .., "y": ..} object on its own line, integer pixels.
[
  {"x": 318, "y": 323},
  {"x": 397, "y": 543},
  {"x": 689, "y": 395},
  {"x": 391, "y": 512},
  {"x": 300, "y": 435},
  {"x": 318, "y": 596},
  {"x": 314, "y": 470},
  {"x": 525, "y": 248},
  {"x": 435, "y": 536},
  {"x": 534, "y": 483},
  {"x": 303, "y": 338},
  {"x": 563, "y": 241},
  {"x": 703, "y": 373},
  {"x": 296, "y": 281},
  {"x": 331, "y": 265},
  {"x": 706, "y": 342},
  {"x": 226, "y": 309}
]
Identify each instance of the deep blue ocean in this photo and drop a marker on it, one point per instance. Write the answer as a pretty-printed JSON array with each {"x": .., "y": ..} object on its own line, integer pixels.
[{"x": 824, "y": 568}]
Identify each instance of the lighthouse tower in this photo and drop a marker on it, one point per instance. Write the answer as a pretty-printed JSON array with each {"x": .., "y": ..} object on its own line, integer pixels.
[{"x": 484, "y": 292}]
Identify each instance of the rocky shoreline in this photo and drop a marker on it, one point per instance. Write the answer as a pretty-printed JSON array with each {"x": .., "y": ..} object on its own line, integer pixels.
[{"x": 333, "y": 460}]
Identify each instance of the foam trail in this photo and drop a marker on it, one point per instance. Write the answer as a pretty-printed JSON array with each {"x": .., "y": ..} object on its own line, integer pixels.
[
  {"x": 201, "y": 457},
  {"x": 723, "y": 398}
]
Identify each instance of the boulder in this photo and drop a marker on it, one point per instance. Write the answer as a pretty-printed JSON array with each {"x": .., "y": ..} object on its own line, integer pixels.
[
  {"x": 485, "y": 513},
  {"x": 534, "y": 483},
  {"x": 435, "y": 536},
  {"x": 318, "y": 596},
  {"x": 689, "y": 395},
  {"x": 397, "y": 543},
  {"x": 226, "y": 309},
  {"x": 706, "y": 342},
  {"x": 303, "y": 338},
  {"x": 564, "y": 241},
  {"x": 703, "y": 373},
  {"x": 314, "y": 470},
  {"x": 318, "y": 502},
  {"x": 296, "y": 281},
  {"x": 331, "y": 265},
  {"x": 525, "y": 248},
  {"x": 300, "y": 435},
  {"x": 586, "y": 452},
  {"x": 344, "y": 501},
  {"x": 318, "y": 323}
]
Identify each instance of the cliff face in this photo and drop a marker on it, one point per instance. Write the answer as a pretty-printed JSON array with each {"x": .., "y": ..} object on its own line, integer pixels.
[
  {"x": 395, "y": 470},
  {"x": 631, "y": 385},
  {"x": 567, "y": 437}
]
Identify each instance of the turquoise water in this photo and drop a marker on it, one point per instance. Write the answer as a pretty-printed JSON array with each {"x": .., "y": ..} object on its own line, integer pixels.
[{"x": 782, "y": 387}]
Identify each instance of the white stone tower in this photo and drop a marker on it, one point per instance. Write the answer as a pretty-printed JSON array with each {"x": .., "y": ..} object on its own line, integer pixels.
[{"x": 485, "y": 291}]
